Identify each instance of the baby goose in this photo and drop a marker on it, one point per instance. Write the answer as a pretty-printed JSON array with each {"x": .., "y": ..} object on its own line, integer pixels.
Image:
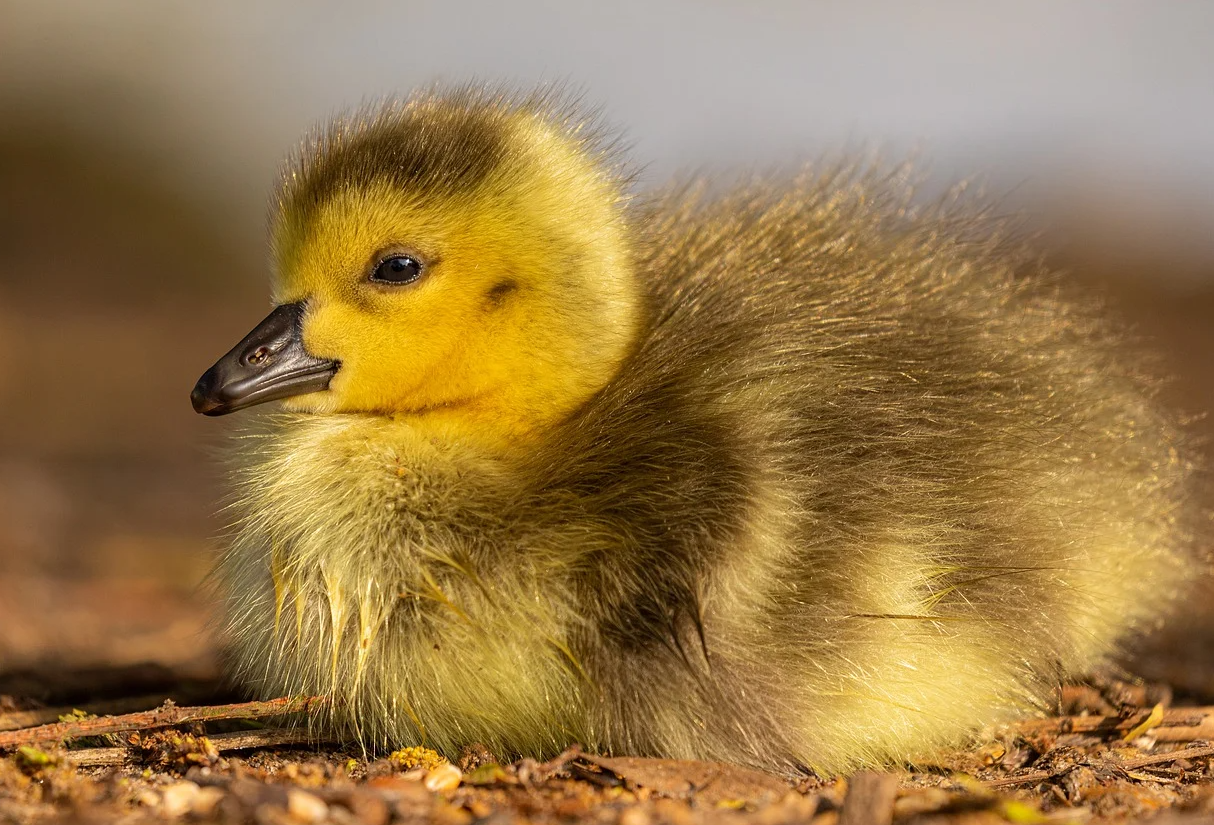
[{"x": 787, "y": 476}]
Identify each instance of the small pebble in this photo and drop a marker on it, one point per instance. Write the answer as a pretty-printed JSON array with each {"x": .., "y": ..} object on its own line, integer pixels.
[
  {"x": 445, "y": 777},
  {"x": 305, "y": 807}
]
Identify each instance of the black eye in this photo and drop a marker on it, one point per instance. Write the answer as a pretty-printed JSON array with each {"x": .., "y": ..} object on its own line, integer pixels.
[{"x": 399, "y": 269}]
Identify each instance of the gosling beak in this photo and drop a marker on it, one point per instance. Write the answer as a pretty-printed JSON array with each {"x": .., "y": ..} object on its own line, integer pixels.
[{"x": 270, "y": 363}]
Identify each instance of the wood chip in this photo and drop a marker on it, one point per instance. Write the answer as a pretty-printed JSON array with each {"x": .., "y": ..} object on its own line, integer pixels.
[{"x": 870, "y": 799}]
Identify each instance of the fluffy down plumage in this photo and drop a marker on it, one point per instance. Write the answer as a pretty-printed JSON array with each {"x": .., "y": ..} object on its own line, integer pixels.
[{"x": 861, "y": 480}]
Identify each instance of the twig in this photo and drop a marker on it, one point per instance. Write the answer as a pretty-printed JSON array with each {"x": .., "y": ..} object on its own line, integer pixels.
[
  {"x": 164, "y": 716},
  {"x": 238, "y": 740},
  {"x": 266, "y": 738},
  {"x": 18, "y": 719},
  {"x": 1157, "y": 758},
  {"x": 1024, "y": 778},
  {"x": 1178, "y": 725},
  {"x": 551, "y": 767},
  {"x": 97, "y": 757}
]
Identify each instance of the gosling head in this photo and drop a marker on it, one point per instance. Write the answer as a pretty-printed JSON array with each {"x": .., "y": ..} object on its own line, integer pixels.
[{"x": 458, "y": 261}]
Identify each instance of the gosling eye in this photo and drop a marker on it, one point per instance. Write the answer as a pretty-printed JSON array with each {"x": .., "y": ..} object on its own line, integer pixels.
[{"x": 397, "y": 269}]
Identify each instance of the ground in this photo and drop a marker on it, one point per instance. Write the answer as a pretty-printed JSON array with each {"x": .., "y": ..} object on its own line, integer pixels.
[{"x": 1118, "y": 753}]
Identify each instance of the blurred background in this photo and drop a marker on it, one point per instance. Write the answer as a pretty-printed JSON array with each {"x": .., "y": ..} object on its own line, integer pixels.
[{"x": 139, "y": 141}]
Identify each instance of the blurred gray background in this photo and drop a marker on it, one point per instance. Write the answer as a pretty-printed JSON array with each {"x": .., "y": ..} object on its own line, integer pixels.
[{"x": 138, "y": 142}]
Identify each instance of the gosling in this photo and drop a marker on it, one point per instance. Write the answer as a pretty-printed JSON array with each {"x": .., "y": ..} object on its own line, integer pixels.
[{"x": 793, "y": 475}]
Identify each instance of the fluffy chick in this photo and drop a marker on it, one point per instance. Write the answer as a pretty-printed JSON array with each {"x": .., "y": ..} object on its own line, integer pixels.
[{"x": 793, "y": 475}]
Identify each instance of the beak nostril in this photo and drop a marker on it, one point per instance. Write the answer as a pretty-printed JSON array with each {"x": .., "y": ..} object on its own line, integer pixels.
[{"x": 268, "y": 364}]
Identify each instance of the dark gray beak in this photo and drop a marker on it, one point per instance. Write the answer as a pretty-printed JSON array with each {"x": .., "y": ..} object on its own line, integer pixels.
[{"x": 269, "y": 364}]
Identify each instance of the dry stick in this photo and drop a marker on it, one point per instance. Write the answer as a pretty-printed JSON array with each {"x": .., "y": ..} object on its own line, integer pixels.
[
  {"x": 238, "y": 740},
  {"x": 97, "y": 757},
  {"x": 15, "y": 720},
  {"x": 1178, "y": 725},
  {"x": 1023, "y": 779},
  {"x": 164, "y": 716},
  {"x": 1155, "y": 759}
]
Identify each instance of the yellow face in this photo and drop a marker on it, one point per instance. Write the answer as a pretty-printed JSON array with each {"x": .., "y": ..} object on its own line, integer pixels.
[
  {"x": 522, "y": 306},
  {"x": 393, "y": 339}
]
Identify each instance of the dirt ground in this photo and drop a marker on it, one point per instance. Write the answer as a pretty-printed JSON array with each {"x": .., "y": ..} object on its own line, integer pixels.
[
  {"x": 1114, "y": 756},
  {"x": 109, "y": 487}
]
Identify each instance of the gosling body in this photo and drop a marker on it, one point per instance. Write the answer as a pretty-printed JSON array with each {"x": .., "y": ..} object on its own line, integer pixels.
[{"x": 793, "y": 475}]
